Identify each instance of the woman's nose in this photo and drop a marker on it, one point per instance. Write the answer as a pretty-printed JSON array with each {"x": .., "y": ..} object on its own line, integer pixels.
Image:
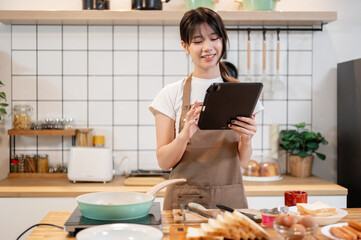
[{"x": 206, "y": 45}]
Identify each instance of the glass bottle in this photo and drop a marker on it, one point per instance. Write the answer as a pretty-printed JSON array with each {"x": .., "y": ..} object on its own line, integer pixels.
[
  {"x": 22, "y": 165},
  {"x": 14, "y": 166},
  {"x": 43, "y": 163}
]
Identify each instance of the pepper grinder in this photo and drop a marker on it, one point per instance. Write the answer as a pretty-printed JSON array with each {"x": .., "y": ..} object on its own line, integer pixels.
[
  {"x": 102, "y": 4},
  {"x": 88, "y": 4}
]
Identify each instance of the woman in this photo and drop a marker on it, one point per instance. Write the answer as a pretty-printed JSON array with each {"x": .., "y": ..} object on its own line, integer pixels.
[{"x": 210, "y": 160}]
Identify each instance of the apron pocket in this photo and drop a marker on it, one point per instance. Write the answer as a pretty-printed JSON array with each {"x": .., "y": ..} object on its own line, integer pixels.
[
  {"x": 229, "y": 195},
  {"x": 184, "y": 194}
]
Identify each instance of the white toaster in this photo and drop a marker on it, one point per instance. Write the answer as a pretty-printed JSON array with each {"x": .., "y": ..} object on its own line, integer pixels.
[{"x": 90, "y": 164}]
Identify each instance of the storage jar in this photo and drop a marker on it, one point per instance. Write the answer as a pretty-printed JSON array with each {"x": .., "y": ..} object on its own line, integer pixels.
[
  {"x": 22, "y": 116},
  {"x": 30, "y": 163},
  {"x": 14, "y": 166},
  {"x": 22, "y": 164},
  {"x": 43, "y": 163}
]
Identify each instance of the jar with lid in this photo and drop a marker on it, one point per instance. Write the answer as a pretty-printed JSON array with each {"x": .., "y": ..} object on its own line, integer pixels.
[
  {"x": 42, "y": 163},
  {"x": 49, "y": 123},
  {"x": 22, "y": 116},
  {"x": 36, "y": 125},
  {"x": 68, "y": 123},
  {"x": 58, "y": 123},
  {"x": 22, "y": 164},
  {"x": 30, "y": 163},
  {"x": 14, "y": 165}
]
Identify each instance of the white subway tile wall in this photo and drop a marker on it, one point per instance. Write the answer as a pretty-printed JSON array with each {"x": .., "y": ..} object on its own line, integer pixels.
[{"x": 105, "y": 77}]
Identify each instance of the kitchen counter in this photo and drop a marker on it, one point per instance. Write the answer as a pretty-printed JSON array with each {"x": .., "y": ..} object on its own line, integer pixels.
[
  {"x": 59, "y": 218},
  {"x": 57, "y": 193},
  {"x": 62, "y": 187}
]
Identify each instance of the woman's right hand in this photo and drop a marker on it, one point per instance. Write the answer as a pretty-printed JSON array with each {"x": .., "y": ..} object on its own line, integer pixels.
[{"x": 191, "y": 121}]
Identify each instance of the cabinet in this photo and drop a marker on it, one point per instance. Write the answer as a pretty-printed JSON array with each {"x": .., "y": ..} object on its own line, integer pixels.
[{"x": 46, "y": 132}]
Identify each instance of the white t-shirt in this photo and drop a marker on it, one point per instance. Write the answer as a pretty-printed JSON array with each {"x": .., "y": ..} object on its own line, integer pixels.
[{"x": 169, "y": 99}]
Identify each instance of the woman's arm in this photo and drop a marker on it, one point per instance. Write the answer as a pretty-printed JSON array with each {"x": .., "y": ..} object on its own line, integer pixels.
[
  {"x": 170, "y": 149},
  {"x": 246, "y": 128}
]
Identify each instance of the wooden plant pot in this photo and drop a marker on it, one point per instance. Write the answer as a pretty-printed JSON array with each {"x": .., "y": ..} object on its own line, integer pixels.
[{"x": 300, "y": 167}]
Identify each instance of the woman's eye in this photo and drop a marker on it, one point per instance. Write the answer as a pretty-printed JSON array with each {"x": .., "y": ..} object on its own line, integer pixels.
[
  {"x": 197, "y": 42},
  {"x": 214, "y": 39}
]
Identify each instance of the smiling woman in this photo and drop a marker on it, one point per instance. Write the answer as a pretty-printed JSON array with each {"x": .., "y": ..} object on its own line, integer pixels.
[{"x": 191, "y": 153}]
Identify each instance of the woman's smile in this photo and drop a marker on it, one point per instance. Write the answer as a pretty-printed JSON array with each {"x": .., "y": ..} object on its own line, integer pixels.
[{"x": 209, "y": 57}]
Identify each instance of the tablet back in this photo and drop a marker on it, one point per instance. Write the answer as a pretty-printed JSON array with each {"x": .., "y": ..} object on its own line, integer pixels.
[{"x": 225, "y": 101}]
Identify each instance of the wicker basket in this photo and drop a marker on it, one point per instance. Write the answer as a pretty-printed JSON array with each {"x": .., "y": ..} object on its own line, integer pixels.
[{"x": 300, "y": 167}]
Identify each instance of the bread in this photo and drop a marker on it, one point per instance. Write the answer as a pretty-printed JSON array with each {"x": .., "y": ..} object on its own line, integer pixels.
[
  {"x": 252, "y": 168},
  {"x": 228, "y": 226},
  {"x": 354, "y": 224},
  {"x": 198, "y": 234},
  {"x": 268, "y": 169},
  {"x": 316, "y": 209}
]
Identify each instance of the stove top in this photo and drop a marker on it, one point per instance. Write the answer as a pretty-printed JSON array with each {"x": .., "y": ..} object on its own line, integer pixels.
[{"x": 77, "y": 221}]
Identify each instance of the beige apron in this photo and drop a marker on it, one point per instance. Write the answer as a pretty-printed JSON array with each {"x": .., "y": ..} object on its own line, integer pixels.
[{"x": 211, "y": 166}]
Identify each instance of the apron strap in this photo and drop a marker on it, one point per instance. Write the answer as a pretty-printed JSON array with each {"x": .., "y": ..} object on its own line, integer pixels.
[{"x": 186, "y": 101}]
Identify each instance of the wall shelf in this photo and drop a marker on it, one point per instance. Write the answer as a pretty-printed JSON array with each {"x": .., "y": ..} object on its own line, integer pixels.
[
  {"x": 154, "y": 17},
  {"x": 44, "y": 132}
]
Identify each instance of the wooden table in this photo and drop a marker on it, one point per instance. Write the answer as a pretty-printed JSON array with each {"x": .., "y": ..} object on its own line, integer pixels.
[{"x": 59, "y": 218}]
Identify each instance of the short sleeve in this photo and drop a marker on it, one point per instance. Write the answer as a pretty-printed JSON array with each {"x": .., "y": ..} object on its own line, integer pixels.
[{"x": 164, "y": 103}]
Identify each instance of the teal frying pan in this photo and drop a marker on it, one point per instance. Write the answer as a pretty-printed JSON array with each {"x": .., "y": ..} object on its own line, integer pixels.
[{"x": 120, "y": 205}]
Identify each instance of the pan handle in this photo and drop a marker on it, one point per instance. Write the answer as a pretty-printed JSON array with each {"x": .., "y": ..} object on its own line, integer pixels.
[{"x": 153, "y": 191}]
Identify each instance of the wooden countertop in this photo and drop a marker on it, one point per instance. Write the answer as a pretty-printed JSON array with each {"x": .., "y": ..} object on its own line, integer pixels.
[
  {"x": 59, "y": 218},
  {"x": 62, "y": 187}
]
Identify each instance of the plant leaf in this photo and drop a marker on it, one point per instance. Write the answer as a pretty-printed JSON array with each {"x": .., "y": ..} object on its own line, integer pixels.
[
  {"x": 312, "y": 145},
  {"x": 321, "y": 156},
  {"x": 3, "y": 111},
  {"x": 300, "y": 125},
  {"x": 4, "y": 104},
  {"x": 302, "y": 154},
  {"x": 3, "y": 95},
  {"x": 324, "y": 142},
  {"x": 309, "y": 135},
  {"x": 1, "y": 83}
]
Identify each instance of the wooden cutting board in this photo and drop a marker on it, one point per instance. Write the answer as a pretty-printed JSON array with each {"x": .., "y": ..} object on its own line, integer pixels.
[
  {"x": 143, "y": 181},
  {"x": 190, "y": 217},
  {"x": 178, "y": 232}
]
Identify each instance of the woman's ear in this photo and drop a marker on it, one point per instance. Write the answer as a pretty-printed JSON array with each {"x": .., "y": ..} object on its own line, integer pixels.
[{"x": 184, "y": 45}]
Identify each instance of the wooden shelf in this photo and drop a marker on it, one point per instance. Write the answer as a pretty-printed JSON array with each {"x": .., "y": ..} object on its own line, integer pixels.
[
  {"x": 43, "y": 132},
  {"x": 37, "y": 175},
  {"x": 154, "y": 17}
]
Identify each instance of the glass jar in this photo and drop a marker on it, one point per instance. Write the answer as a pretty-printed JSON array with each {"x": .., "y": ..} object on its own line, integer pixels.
[
  {"x": 58, "y": 124},
  {"x": 49, "y": 123},
  {"x": 22, "y": 164},
  {"x": 14, "y": 166},
  {"x": 98, "y": 141},
  {"x": 30, "y": 163},
  {"x": 22, "y": 116},
  {"x": 37, "y": 125},
  {"x": 68, "y": 123},
  {"x": 42, "y": 163}
]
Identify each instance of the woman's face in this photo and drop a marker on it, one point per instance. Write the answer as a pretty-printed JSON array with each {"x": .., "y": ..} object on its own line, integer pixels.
[{"x": 205, "y": 49}]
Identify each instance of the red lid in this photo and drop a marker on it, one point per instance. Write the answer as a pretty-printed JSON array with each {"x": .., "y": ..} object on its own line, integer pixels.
[{"x": 14, "y": 161}]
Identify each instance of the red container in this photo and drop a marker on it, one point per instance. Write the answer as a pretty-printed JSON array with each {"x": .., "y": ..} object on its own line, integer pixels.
[{"x": 294, "y": 197}]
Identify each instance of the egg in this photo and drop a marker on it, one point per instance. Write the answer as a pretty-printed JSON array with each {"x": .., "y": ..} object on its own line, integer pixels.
[
  {"x": 308, "y": 222},
  {"x": 287, "y": 221},
  {"x": 296, "y": 232},
  {"x": 279, "y": 219},
  {"x": 294, "y": 218}
]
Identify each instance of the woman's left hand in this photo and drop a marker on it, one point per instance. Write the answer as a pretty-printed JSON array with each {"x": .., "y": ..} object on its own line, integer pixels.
[{"x": 245, "y": 127}]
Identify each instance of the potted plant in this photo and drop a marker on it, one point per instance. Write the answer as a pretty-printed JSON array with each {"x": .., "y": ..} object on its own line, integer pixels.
[
  {"x": 3, "y": 103},
  {"x": 301, "y": 146}
]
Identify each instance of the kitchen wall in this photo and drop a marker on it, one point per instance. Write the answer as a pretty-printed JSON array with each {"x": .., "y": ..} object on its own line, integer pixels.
[{"x": 106, "y": 76}]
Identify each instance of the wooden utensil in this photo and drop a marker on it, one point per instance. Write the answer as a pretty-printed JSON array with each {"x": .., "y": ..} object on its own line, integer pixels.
[
  {"x": 267, "y": 87},
  {"x": 277, "y": 84},
  {"x": 248, "y": 77}
]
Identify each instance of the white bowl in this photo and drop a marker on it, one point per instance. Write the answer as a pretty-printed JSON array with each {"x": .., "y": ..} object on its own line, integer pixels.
[{"x": 324, "y": 220}]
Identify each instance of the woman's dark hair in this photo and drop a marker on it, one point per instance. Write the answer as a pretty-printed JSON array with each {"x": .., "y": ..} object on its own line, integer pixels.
[{"x": 193, "y": 18}]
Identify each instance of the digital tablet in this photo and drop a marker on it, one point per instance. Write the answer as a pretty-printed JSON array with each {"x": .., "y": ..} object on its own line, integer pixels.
[{"x": 226, "y": 101}]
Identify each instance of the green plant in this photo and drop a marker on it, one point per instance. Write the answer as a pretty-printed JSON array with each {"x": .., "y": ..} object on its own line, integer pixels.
[
  {"x": 3, "y": 103},
  {"x": 302, "y": 142}
]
